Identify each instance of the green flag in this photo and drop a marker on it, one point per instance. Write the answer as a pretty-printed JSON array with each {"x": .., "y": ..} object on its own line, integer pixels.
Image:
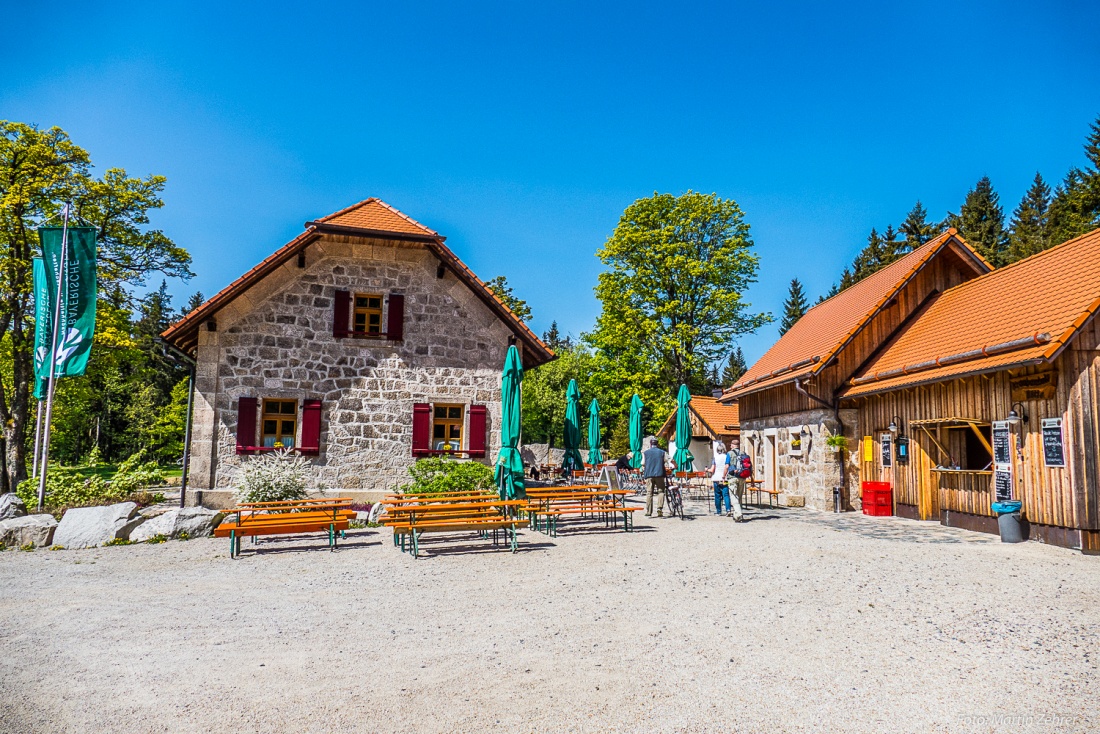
[
  {"x": 78, "y": 295},
  {"x": 43, "y": 317}
]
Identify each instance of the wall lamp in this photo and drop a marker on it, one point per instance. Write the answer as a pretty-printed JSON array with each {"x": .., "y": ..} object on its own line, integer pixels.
[
  {"x": 1015, "y": 417},
  {"x": 894, "y": 423}
]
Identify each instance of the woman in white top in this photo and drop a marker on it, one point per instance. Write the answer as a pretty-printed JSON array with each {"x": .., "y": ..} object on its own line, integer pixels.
[{"x": 719, "y": 468}]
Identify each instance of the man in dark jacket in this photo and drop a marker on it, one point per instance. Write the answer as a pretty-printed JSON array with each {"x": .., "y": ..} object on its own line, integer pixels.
[{"x": 653, "y": 471}]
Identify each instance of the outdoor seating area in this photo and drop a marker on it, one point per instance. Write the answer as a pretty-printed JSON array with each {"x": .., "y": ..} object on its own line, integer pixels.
[
  {"x": 482, "y": 513},
  {"x": 252, "y": 519}
]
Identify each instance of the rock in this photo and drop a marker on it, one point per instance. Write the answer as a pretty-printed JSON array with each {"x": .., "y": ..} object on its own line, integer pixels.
[
  {"x": 197, "y": 522},
  {"x": 157, "y": 510},
  {"x": 37, "y": 530},
  {"x": 795, "y": 500},
  {"x": 88, "y": 527},
  {"x": 11, "y": 506}
]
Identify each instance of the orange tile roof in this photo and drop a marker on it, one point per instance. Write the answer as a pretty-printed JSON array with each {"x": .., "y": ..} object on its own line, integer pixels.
[
  {"x": 368, "y": 217},
  {"x": 714, "y": 416},
  {"x": 375, "y": 214},
  {"x": 827, "y": 327},
  {"x": 1050, "y": 294}
]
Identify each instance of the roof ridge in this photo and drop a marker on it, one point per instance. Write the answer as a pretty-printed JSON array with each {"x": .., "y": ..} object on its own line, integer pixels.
[{"x": 346, "y": 209}]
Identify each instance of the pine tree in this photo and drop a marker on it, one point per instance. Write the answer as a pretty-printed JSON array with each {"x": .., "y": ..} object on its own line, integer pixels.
[
  {"x": 981, "y": 221},
  {"x": 195, "y": 301},
  {"x": 916, "y": 227},
  {"x": 833, "y": 290},
  {"x": 1028, "y": 230},
  {"x": 1075, "y": 208},
  {"x": 794, "y": 307},
  {"x": 553, "y": 338},
  {"x": 714, "y": 382},
  {"x": 734, "y": 368}
]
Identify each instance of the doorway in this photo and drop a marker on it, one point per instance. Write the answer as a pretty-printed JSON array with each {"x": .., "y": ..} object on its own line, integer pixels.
[{"x": 770, "y": 461}]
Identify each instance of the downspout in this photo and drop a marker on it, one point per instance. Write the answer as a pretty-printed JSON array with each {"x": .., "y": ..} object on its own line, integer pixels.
[{"x": 835, "y": 407}]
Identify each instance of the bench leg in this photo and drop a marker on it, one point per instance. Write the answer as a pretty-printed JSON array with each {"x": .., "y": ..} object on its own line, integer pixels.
[
  {"x": 415, "y": 543},
  {"x": 514, "y": 543},
  {"x": 232, "y": 543}
]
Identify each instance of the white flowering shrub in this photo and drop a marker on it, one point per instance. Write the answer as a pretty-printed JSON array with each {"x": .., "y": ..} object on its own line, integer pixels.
[{"x": 274, "y": 477}]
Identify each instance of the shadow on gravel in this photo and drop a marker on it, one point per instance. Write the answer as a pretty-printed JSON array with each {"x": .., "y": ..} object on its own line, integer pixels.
[{"x": 443, "y": 548}]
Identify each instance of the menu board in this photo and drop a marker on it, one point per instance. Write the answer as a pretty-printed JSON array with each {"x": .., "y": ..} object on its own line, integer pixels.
[
  {"x": 1054, "y": 450},
  {"x": 1002, "y": 451},
  {"x": 1002, "y": 483},
  {"x": 887, "y": 452}
]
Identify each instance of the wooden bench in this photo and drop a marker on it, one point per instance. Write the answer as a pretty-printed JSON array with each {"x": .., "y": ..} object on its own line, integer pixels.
[
  {"x": 608, "y": 510},
  {"x": 483, "y": 514},
  {"x": 286, "y": 518}
]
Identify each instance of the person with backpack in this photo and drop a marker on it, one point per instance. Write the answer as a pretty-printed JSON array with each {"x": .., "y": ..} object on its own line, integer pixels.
[
  {"x": 741, "y": 470},
  {"x": 719, "y": 469}
]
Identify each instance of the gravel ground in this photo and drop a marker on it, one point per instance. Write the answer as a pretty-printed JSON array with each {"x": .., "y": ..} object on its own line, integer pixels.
[{"x": 793, "y": 621}]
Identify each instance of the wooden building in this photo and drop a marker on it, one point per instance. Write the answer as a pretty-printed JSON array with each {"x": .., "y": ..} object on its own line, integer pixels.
[
  {"x": 711, "y": 421},
  {"x": 789, "y": 400},
  {"x": 992, "y": 391}
]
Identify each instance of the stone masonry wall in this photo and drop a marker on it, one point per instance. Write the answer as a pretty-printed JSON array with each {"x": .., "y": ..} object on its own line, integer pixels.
[
  {"x": 275, "y": 341},
  {"x": 815, "y": 472}
]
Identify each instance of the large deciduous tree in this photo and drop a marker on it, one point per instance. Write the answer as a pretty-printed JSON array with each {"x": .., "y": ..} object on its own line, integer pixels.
[
  {"x": 673, "y": 295},
  {"x": 40, "y": 170},
  {"x": 500, "y": 288}
]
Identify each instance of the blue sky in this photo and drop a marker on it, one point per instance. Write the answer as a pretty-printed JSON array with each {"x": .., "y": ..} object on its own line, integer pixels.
[{"x": 521, "y": 131}]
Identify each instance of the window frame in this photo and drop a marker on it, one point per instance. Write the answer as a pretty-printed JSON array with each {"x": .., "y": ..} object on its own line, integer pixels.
[
  {"x": 280, "y": 417},
  {"x": 448, "y": 421},
  {"x": 367, "y": 312}
]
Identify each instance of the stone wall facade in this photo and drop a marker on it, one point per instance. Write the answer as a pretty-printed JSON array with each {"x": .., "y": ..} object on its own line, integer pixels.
[
  {"x": 276, "y": 341},
  {"x": 814, "y": 472}
]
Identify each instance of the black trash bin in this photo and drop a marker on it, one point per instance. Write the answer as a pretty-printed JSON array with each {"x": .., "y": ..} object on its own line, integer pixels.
[{"x": 1009, "y": 521}]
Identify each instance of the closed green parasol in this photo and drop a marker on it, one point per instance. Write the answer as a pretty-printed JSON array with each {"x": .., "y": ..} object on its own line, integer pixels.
[
  {"x": 509, "y": 469},
  {"x": 594, "y": 438},
  {"x": 683, "y": 457},
  {"x": 572, "y": 460},
  {"x": 636, "y": 432}
]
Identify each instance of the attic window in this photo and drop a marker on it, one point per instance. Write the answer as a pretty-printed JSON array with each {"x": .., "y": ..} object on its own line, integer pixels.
[{"x": 367, "y": 317}]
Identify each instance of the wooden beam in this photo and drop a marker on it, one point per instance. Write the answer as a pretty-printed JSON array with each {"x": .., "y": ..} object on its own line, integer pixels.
[
  {"x": 981, "y": 438},
  {"x": 943, "y": 451}
]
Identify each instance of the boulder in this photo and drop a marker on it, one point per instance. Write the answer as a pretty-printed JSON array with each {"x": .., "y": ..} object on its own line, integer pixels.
[
  {"x": 38, "y": 530},
  {"x": 88, "y": 527},
  {"x": 197, "y": 522},
  {"x": 11, "y": 506}
]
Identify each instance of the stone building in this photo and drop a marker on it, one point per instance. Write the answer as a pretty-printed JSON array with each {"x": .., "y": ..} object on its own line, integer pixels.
[
  {"x": 363, "y": 344},
  {"x": 790, "y": 400}
]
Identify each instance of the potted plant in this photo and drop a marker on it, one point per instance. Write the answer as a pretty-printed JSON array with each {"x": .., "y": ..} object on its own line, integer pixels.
[{"x": 836, "y": 442}]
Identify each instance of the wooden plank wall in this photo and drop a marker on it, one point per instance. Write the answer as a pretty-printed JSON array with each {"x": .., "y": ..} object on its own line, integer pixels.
[{"x": 1066, "y": 497}]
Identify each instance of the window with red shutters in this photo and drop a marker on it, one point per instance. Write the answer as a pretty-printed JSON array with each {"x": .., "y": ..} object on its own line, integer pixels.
[
  {"x": 477, "y": 438},
  {"x": 311, "y": 427},
  {"x": 422, "y": 429},
  {"x": 395, "y": 319},
  {"x": 246, "y": 424},
  {"x": 341, "y": 312}
]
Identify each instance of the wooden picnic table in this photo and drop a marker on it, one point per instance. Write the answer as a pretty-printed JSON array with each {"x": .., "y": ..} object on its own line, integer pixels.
[
  {"x": 285, "y": 518},
  {"x": 478, "y": 513}
]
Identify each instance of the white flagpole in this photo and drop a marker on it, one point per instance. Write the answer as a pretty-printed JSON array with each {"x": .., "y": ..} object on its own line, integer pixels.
[
  {"x": 53, "y": 357},
  {"x": 37, "y": 440}
]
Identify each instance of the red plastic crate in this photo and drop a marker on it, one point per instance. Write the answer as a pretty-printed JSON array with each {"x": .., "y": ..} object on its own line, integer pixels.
[
  {"x": 878, "y": 499},
  {"x": 878, "y": 510}
]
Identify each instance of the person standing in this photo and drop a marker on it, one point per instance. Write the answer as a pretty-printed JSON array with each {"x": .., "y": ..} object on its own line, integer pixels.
[
  {"x": 653, "y": 471},
  {"x": 740, "y": 470},
  {"x": 719, "y": 469}
]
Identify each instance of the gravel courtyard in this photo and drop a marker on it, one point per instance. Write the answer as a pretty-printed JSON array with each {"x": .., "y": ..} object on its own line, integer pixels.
[{"x": 793, "y": 621}]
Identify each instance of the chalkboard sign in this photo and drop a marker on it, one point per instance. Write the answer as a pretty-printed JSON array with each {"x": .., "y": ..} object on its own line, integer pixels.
[
  {"x": 1002, "y": 483},
  {"x": 1054, "y": 453},
  {"x": 1001, "y": 447},
  {"x": 887, "y": 453}
]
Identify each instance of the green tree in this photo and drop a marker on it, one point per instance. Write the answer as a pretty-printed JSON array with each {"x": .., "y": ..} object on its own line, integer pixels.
[
  {"x": 672, "y": 296},
  {"x": 1028, "y": 228},
  {"x": 735, "y": 367},
  {"x": 916, "y": 228},
  {"x": 40, "y": 170},
  {"x": 554, "y": 339},
  {"x": 543, "y": 406},
  {"x": 194, "y": 301},
  {"x": 1075, "y": 208},
  {"x": 499, "y": 286},
  {"x": 794, "y": 308},
  {"x": 981, "y": 221}
]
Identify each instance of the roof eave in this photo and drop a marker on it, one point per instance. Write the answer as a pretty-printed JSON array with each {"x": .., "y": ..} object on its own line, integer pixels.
[{"x": 957, "y": 376}]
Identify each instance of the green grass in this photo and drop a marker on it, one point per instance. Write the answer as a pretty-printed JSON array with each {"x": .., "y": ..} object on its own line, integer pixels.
[{"x": 107, "y": 471}]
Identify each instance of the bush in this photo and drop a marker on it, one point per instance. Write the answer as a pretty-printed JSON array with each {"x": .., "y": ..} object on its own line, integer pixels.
[
  {"x": 67, "y": 487},
  {"x": 275, "y": 477},
  {"x": 443, "y": 474}
]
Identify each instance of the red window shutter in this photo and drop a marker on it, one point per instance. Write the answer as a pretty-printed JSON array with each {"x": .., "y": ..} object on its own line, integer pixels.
[
  {"x": 422, "y": 429},
  {"x": 246, "y": 424},
  {"x": 395, "y": 320},
  {"x": 341, "y": 312},
  {"x": 311, "y": 427},
  {"x": 477, "y": 431}
]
